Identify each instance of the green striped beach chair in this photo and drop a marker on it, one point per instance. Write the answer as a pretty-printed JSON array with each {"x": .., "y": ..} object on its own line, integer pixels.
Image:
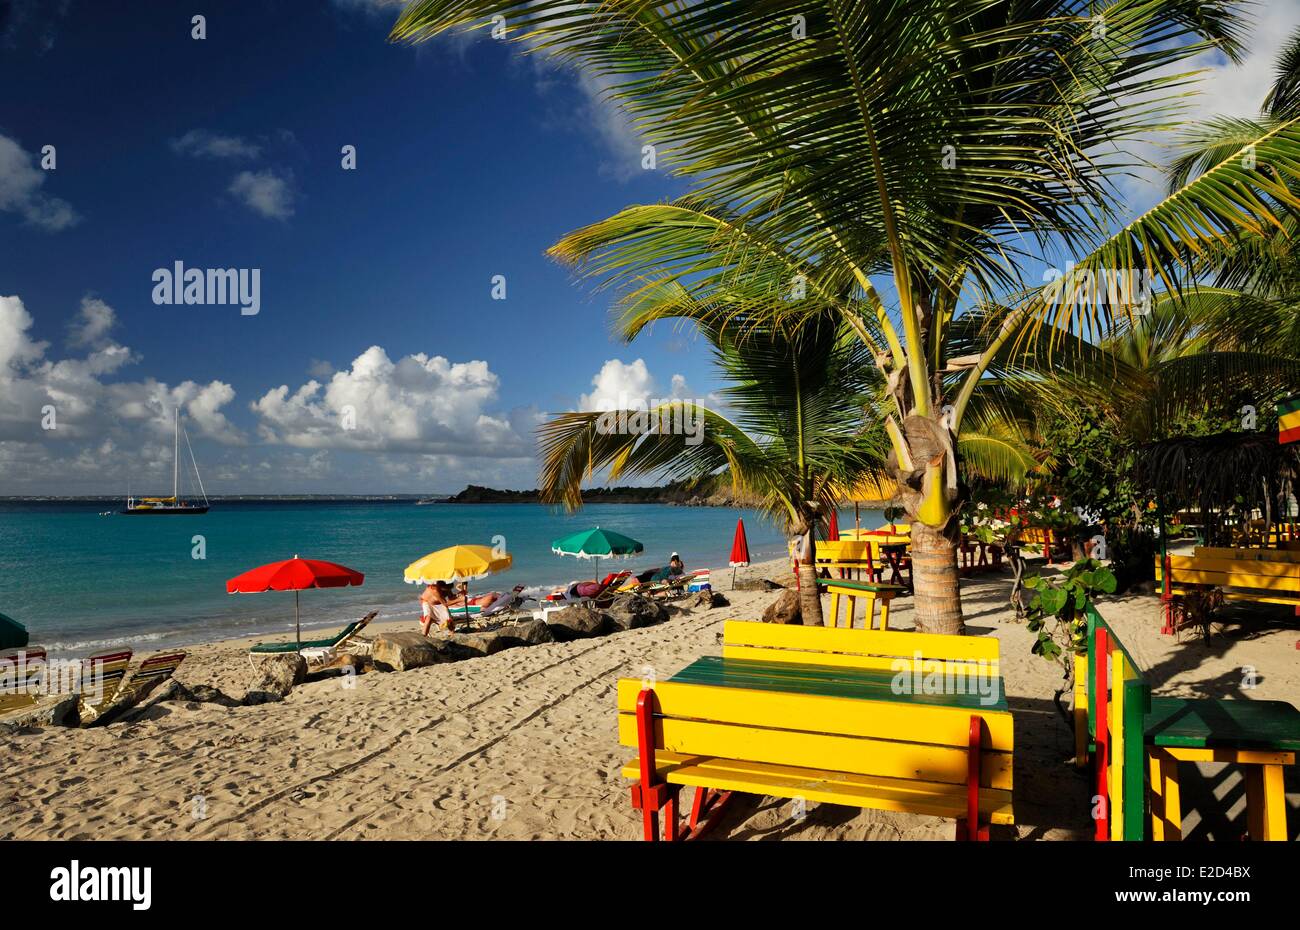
[{"x": 320, "y": 648}]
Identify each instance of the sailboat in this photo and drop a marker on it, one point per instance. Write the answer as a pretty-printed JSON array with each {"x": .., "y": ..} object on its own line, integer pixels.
[{"x": 174, "y": 504}]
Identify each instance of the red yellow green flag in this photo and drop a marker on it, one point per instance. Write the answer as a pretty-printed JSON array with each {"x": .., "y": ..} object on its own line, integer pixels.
[{"x": 1288, "y": 420}]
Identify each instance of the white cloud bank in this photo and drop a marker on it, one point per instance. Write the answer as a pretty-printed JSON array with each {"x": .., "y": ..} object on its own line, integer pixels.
[
  {"x": 418, "y": 403},
  {"x": 417, "y": 423}
]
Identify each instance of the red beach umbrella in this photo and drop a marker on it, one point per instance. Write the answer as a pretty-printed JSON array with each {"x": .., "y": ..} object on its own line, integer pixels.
[
  {"x": 739, "y": 550},
  {"x": 294, "y": 575},
  {"x": 833, "y": 527}
]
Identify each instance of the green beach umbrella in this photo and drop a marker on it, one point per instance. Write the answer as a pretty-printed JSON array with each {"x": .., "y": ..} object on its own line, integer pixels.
[
  {"x": 597, "y": 544},
  {"x": 12, "y": 633}
]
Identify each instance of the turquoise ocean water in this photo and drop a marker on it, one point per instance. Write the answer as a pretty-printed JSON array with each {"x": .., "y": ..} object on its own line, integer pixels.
[{"x": 80, "y": 581}]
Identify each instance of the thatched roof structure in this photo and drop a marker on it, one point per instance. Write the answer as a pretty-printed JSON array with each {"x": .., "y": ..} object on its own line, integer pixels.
[{"x": 1227, "y": 474}]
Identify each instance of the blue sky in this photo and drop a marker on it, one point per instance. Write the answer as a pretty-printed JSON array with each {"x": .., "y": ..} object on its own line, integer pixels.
[
  {"x": 376, "y": 283},
  {"x": 226, "y": 152}
]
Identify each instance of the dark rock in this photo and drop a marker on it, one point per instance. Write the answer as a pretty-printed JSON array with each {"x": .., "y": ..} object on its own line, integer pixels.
[
  {"x": 757, "y": 584},
  {"x": 480, "y": 643},
  {"x": 526, "y": 633},
  {"x": 709, "y": 599},
  {"x": 577, "y": 623},
  {"x": 277, "y": 675},
  {"x": 631, "y": 611},
  {"x": 172, "y": 691},
  {"x": 398, "y": 652},
  {"x": 785, "y": 609}
]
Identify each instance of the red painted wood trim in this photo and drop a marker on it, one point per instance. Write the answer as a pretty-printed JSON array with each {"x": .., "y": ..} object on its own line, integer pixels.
[
  {"x": 1101, "y": 664},
  {"x": 973, "y": 778},
  {"x": 645, "y": 741}
]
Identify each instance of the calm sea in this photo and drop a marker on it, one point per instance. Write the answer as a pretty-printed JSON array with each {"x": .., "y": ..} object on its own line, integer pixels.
[{"x": 80, "y": 581}]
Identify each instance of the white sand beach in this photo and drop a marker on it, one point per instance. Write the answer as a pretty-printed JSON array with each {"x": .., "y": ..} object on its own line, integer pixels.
[{"x": 522, "y": 744}]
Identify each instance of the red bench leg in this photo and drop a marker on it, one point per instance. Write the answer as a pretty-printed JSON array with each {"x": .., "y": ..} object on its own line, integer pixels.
[
  {"x": 971, "y": 828},
  {"x": 649, "y": 794}
]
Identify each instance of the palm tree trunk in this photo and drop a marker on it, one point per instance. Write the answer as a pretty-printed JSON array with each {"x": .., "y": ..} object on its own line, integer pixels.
[
  {"x": 935, "y": 581},
  {"x": 810, "y": 602}
]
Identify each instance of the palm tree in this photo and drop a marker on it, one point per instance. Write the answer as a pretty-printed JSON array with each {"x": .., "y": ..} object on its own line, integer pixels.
[
  {"x": 898, "y": 161},
  {"x": 791, "y": 435}
]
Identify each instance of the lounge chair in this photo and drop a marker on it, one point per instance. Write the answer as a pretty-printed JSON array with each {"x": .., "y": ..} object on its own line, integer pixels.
[
  {"x": 570, "y": 596},
  {"x": 101, "y": 680},
  {"x": 506, "y": 603},
  {"x": 670, "y": 587},
  {"x": 20, "y": 678},
  {"x": 147, "y": 676},
  {"x": 318, "y": 647}
]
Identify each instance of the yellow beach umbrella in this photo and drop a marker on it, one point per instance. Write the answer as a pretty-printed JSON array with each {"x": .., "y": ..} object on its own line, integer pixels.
[{"x": 457, "y": 563}]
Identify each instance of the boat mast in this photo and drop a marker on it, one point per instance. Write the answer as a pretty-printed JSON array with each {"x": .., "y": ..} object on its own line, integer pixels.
[{"x": 176, "y": 458}]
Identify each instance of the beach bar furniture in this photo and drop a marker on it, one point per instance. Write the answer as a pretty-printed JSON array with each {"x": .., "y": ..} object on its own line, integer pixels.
[
  {"x": 835, "y": 716},
  {"x": 1262, "y": 576},
  {"x": 846, "y": 558},
  {"x": 1132, "y": 735},
  {"x": 850, "y": 592}
]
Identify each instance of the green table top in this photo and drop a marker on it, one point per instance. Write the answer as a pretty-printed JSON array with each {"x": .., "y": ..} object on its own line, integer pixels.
[
  {"x": 834, "y": 681},
  {"x": 860, "y": 585},
  {"x": 1233, "y": 723}
]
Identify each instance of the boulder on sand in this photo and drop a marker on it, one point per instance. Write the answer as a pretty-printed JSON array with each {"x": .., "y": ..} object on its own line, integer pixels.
[
  {"x": 471, "y": 645},
  {"x": 756, "y": 584},
  {"x": 577, "y": 623},
  {"x": 401, "y": 651},
  {"x": 785, "y": 609},
  {"x": 631, "y": 611},
  {"x": 526, "y": 633},
  {"x": 277, "y": 676},
  {"x": 709, "y": 599}
]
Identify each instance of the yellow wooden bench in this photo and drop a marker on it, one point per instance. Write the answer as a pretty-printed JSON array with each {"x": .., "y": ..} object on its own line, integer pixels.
[
  {"x": 1240, "y": 578},
  {"x": 850, "y": 592},
  {"x": 1247, "y": 555},
  {"x": 885, "y": 720}
]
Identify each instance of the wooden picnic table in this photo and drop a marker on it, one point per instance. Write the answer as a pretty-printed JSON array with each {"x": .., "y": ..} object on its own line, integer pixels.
[
  {"x": 896, "y": 556},
  {"x": 828, "y": 681},
  {"x": 1261, "y": 736}
]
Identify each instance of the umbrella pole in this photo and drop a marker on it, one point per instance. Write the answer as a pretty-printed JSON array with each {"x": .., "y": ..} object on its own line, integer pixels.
[
  {"x": 467, "y": 602},
  {"x": 297, "y": 623}
]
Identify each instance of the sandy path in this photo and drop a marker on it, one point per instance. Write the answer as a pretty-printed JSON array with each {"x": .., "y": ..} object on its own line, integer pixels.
[{"x": 522, "y": 744}]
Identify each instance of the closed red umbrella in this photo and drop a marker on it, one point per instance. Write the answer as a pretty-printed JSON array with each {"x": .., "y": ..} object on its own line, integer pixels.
[
  {"x": 294, "y": 575},
  {"x": 833, "y": 527},
  {"x": 739, "y": 550}
]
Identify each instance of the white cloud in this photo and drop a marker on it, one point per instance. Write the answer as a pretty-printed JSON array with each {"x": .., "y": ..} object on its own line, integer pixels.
[
  {"x": 264, "y": 192},
  {"x": 20, "y": 191},
  {"x": 630, "y": 385},
  {"x": 1222, "y": 89},
  {"x": 92, "y": 324},
  {"x": 419, "y": 403},
  {"x": 87, "y": 407},
  {"x": 200, "y": 143}
]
